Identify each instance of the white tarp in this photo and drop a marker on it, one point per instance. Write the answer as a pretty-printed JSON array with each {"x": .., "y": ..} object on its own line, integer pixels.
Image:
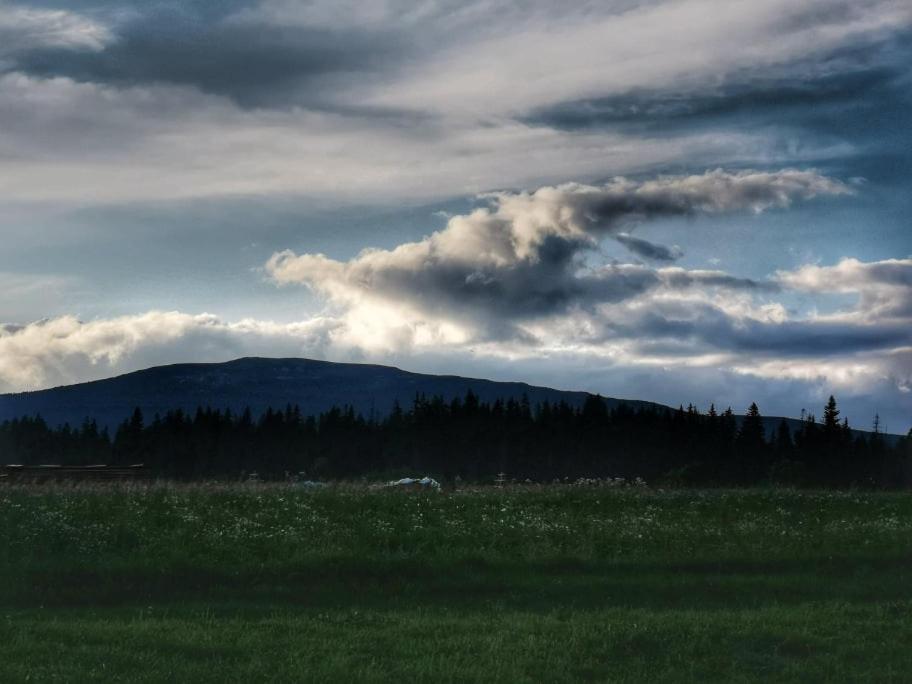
[{"x": 413, "y": 481}]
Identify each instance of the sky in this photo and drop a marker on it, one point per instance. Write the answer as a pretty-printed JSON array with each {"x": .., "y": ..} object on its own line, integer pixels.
[{"x": 683, "y": 201}]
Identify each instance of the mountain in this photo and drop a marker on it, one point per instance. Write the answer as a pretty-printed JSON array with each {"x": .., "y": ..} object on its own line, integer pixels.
[{"x": 261, "y": 383}]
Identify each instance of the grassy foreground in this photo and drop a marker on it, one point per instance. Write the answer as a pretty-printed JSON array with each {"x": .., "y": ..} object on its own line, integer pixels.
[{"x": 263, "y": 583}]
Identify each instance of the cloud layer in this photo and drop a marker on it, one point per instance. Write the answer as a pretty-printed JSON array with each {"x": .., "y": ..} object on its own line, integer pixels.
[{"x": 388, "y": 101}]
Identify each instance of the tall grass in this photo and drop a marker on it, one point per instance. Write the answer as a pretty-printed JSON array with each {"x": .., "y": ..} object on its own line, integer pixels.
[{"x": 527, "y": 583}]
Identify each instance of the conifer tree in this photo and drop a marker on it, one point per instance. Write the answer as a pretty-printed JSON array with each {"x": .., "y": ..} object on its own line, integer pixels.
[
  {"x": 784, "y": 443},
  {"x": 751, "y": 463},
  {"x": 831, "y": 416}
]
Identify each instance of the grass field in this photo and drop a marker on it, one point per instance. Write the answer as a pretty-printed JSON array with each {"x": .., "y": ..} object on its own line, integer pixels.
[{"x": 265, "y": 583}]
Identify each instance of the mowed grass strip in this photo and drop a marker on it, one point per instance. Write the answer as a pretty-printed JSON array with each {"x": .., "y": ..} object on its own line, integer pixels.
[{"x": 266, "y": 583}]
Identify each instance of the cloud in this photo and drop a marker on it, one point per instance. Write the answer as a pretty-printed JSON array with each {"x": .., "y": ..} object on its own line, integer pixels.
[
  {"x": 545, "y": 58},
  {"x": 380, "y": 102},
  {"x": 689, "y": 327},
  {"x": 649, "y": 250},
  {"x": 23, "y": 29},
  {"x": 465, "y": 58},
  {"x": 511, "y": 59},
  {"x": 849, "y": 78},
  {"x": 64, "y": 350},
  {"x": 89, "y": 143},
  {"x": 524, "y": 257},
  {"x": 884, "y": 288},
  {"x": 254, "y": 63},
  {"x": 520, "y": 280},
  {"x": 851, "y": 275}
]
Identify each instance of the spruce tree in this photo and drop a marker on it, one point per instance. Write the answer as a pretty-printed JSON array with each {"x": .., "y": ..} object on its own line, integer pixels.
[
  {"x": 751, "y": 446},
  {"x": 831, "y": 416}
]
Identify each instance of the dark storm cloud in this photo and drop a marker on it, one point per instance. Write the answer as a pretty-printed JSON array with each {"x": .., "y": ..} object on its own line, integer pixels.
[{"x": 253, "y": 62}]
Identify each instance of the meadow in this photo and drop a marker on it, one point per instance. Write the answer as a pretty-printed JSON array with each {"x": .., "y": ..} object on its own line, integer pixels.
[{"x": 261, "y": 582}]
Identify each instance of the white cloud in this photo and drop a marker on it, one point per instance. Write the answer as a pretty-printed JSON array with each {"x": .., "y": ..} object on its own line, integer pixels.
[
  {"x": 884, "y": 288},
  {"x": 65, "y": 350},
  {"x": 857, "y": 374}
]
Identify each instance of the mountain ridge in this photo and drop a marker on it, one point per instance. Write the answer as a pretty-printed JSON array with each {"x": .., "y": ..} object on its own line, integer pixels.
[
  {"x": 273, "y": 382},
  {"x": 261, "y": 383}
]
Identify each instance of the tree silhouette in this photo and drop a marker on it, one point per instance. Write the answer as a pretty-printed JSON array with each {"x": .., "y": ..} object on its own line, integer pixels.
[{"x": 475, "y": 440}]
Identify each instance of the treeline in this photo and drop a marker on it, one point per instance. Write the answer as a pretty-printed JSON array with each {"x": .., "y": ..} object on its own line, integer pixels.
[{"x": 475, "y": 440}]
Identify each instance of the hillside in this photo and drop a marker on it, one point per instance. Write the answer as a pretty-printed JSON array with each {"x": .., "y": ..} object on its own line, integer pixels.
[{"x": 260, "y": 383}]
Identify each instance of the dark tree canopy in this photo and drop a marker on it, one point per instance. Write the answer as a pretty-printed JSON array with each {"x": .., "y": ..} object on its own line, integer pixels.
[{"x": 475, "y": 440}]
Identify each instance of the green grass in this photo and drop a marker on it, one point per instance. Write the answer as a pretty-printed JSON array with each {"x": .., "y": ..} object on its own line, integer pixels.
[{"x": 265, "y": 583}]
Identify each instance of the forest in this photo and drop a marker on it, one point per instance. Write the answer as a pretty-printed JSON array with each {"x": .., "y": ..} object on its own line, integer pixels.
[{"x": 475, "y": 440}]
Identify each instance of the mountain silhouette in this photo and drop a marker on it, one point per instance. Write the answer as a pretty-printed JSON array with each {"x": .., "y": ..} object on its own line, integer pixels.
[{"x": 260, "y": 383}]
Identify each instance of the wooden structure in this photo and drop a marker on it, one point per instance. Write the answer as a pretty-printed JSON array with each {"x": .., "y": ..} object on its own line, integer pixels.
[{"x": 62, "y": 473}]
